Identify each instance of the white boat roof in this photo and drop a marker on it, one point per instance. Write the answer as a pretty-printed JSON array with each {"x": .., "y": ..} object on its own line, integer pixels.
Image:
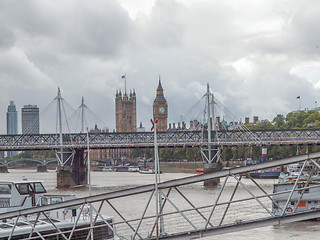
[{"x": 19, "y": 181}]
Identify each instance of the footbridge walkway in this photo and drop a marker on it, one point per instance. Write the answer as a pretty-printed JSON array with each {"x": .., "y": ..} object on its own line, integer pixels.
[
  {"x": 238, "y": 204},
  {"x": 177, "y": 138}
]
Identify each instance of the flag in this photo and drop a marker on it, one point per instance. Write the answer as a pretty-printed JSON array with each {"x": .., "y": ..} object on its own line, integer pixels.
[
  {"x": 298, "y": 97},
  {"x": 123, "y": 76}
]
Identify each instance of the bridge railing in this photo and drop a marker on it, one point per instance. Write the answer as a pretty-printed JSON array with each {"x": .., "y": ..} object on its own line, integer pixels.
[{"x": 170, "y": 139}]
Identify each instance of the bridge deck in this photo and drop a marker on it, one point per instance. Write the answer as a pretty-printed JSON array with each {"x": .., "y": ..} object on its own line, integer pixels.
[{"x": 165, "y": 139}]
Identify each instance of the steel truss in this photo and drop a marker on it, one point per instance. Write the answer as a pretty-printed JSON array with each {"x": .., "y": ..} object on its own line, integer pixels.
[
  {"x": 165, "y": 139},
  {"x": 240, "y": 203}
]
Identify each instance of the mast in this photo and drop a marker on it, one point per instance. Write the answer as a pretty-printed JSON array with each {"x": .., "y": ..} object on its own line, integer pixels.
[
  {"x": 209, "y": 122},
  {"x": 156, "y": 177},
  {"x": 82, "y": 106},
  {"x": 59, "y": 99},
  {"x": 89, "y": 183}
]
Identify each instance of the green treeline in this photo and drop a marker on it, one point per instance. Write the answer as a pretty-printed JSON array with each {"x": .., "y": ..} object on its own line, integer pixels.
[
  {"x": 168, "y": 154},
  {"x": 293, "y": 120},
  {"x": 36, "y": 154}
]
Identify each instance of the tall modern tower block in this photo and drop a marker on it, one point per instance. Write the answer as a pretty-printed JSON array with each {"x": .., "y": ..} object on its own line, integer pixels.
[
  {"x": 12, "y": 124},
  {"x": 30, "y": 119},
  {"x": 12, "y": 119}
]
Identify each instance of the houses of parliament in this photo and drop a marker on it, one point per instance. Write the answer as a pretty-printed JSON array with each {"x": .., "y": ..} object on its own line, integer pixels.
[{"x": 126, "y": 119}]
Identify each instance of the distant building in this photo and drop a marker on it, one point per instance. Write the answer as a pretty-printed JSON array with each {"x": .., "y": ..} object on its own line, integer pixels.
[
  {"x": 195, "y": 125},
  {"x": 30, "y": 119},
  {"x": 255, "y": 120},
  {"x": 103, "y": 153},
  {"x": 12, "y": 124},
  {"x": 160, "y": 109},
  {"x": 141, "y": 128},
  {"x": 12, "y": 119},
  {"x": 126, "y": 113},
  {"x": 126, "y": 119},
  {"x": 179, "y": 126},
  {"x": 247, "y": 120}
]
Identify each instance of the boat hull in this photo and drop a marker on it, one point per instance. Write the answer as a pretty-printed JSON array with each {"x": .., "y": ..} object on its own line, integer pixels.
[
  {"x": 49, "y": 232},
  {"x": 265, "y": 175}
]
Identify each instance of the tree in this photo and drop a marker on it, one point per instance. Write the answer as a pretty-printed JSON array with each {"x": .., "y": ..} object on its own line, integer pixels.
[{"x": 279, "y": 121}]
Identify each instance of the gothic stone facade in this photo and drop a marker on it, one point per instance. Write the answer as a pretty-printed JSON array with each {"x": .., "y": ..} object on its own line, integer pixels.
[
  {"x": 126, "y": 113},
  {"x": 160, "y": 109}
]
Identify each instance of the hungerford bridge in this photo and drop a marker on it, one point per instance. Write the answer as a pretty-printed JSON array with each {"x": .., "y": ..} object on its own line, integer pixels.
[{"x": 71, "y": 148}]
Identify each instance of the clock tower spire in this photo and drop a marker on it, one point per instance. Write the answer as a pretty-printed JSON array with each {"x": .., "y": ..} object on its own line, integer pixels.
[{"x": 160, "y": 109}]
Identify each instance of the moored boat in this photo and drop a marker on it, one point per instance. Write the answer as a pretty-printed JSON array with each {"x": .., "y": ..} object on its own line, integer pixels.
[
  {"x": 265, "y": 174},
  {"x": 200, "y": 171},
  {"x": 301, "y": 200},
  {"x": 19, "y": 195},
  {"x": 147, "y": 171},
  {"x": 133, "y": 169}
]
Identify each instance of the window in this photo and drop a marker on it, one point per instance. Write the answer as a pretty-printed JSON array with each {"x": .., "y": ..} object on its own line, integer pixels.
[
  {"x": 39, "y": 188},
  {"x": 56, "y": 200},
  {"x": 44, "y": 201},
  {"x": 30, "y": 188},
  {"x": 5, "y": 189},
  {"x": 23, "y": 188}
]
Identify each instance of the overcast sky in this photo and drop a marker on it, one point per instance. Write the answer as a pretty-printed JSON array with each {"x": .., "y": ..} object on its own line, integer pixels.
[{"x": 257, "y": 55}]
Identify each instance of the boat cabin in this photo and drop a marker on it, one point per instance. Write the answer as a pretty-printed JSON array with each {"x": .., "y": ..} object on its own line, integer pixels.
[
  {"x": 301, "y": 200},
  {"x": 19, "y": 194},
  {"x": 16, "y": 195}
]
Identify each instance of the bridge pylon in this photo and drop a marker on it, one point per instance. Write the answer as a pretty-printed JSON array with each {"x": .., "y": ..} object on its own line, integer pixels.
[
  {"x": 4, "y": 167},
  {"x": 72, "y": 170},
  {"x": 210, "y": 153}
]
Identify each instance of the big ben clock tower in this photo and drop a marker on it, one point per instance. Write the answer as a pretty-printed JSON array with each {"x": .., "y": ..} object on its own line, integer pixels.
[{"x": 160, "y": 109}]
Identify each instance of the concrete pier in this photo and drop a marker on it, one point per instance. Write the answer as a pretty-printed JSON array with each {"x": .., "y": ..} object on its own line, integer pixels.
[
  {"x": 42, "y": 168},
  {"x": 74, "y": 174},
  {"x": 3, "y": 169},
  {"x": 209, "y": 168}
]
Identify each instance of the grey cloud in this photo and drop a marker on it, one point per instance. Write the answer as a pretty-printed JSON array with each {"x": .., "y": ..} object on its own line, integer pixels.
[
  {"x": 7, "y": 38},
  {"x": 85, "y": 46},
  {"x": 97, "y": 30},
  {"x": 163, "y": 28},
  {"x": 34, "y": 17}
]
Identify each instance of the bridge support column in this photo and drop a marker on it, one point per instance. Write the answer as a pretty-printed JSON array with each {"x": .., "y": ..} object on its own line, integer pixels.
[
  {"x": 73, "y": 174},
  {"x": 209, "y": 168},
  {"x": 42, "y": 168},
  {"x": 212, "y": 165},
  {"x": 3, "y": 169}
]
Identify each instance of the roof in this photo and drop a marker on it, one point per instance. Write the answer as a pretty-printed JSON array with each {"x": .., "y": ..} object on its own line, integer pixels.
[
  {"x": 19, "y": 181},
  {"x": 159, "y": 85},
  {"x": 160, "y": 98}
]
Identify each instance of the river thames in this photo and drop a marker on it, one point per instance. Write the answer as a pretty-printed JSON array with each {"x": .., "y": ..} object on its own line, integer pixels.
[{"x": 103, "y": 182}]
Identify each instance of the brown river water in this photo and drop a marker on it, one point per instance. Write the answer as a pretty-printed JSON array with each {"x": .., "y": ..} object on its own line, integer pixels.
[{"x": 103, "y": 182}]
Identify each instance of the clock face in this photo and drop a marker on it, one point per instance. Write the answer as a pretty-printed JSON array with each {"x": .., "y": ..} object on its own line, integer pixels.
[{"x": 161, "y": 110}]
